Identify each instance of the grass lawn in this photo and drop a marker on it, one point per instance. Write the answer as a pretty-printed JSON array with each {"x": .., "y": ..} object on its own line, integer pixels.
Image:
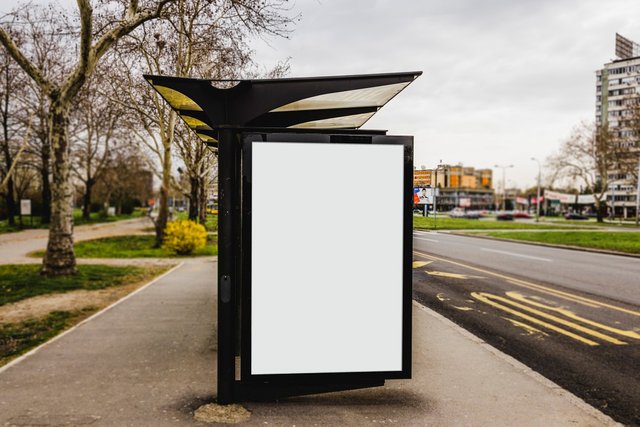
[
  {"x": 591, "y": 222},
  {"x": 77, "y": 220},
  {"x": 18, "y": 338},
  {"x": 131, "y": 247},
  {"x": 18, "y": 282},
  {"x": 446, "y": 223},
  {"x": 615, "y": 241},
  {"x": 211, "y": 224}
]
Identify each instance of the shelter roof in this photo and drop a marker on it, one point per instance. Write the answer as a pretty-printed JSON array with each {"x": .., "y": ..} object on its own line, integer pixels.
[{"x": 338, "y": 102}]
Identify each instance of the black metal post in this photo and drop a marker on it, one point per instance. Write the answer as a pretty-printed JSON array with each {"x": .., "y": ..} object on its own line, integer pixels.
[{"x": 228, "y": 256}]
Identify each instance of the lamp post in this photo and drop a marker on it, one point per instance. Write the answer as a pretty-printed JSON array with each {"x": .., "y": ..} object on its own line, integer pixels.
[
  {"x": 504, "y": 187},
  {"x": 538, "y": 197}
]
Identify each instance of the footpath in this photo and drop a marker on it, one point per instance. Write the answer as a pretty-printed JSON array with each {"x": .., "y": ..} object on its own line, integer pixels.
[{"x": 150, "y": 360}]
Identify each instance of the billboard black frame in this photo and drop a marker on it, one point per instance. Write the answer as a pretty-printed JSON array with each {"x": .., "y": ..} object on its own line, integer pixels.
[{"x": 279, "y": 383}]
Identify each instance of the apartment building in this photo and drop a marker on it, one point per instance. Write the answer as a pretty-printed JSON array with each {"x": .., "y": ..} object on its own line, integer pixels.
[{"x": 617, "y": 89}]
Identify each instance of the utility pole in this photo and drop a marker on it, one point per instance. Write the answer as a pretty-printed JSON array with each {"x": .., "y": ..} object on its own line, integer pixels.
[
  {"x": 538, "y": 197},
  {"x": 504, "y": 184}
]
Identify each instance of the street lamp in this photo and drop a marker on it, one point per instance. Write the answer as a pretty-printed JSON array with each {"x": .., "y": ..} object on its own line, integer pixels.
[
  {"x": 504, "y": 187},
  {"x": 538, "y": 198}
]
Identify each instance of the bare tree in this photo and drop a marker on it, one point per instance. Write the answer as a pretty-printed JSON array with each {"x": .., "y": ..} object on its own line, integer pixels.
[
  {"x": 587, "y": 157},
  {"x": 11, "y": 87},
  {"x": 92, "y": 42},
  {"x": 95, "y": 133},
  {"x": 196, "y": 40}
]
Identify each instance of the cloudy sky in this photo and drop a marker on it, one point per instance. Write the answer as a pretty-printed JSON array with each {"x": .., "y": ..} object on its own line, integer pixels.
[{"x": 503, "y": 80}]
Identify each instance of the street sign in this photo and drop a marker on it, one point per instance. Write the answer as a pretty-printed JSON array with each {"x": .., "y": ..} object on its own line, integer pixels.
[{"x": 25, "y": 207}]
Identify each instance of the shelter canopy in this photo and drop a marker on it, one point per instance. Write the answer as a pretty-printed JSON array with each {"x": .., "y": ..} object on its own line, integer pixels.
[{"x": 339, "y": 102}]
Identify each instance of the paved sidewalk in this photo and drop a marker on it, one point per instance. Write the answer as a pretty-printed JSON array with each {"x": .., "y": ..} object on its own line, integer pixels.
[{"x": 150, "y": 361}]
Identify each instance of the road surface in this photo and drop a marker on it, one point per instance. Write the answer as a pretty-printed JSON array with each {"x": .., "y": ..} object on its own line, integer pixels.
[{"x": 573, "y": 316}]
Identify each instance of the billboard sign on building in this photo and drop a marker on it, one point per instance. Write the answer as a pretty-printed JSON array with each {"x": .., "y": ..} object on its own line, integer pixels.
[
  {"x": 423, "y": 195},
  {"x": 626, "y": 48}
]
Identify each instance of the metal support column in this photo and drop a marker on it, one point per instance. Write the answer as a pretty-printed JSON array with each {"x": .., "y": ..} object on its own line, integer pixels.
[{"x": 228, "y": 259}]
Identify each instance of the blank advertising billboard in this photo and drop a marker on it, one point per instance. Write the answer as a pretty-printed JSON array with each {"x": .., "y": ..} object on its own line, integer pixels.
[{"x": 326, "y": 270}]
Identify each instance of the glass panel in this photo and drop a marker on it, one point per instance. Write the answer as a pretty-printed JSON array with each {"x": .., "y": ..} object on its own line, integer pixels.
[
  {"x": 344, "y": 122},
  {"x": 367, "y": 97},
  {"x": 177, "y": 100}
]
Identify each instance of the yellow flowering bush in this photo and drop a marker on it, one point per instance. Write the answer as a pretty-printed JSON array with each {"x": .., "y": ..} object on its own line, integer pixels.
[{"x": 184, "y": 236}]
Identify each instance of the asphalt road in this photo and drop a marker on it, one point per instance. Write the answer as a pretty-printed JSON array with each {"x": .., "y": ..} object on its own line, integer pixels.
[{"x": 572, "y": 316}]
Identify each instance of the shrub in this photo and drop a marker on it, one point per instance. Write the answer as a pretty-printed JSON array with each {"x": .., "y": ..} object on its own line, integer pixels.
[{"x": 184, "y": 236}]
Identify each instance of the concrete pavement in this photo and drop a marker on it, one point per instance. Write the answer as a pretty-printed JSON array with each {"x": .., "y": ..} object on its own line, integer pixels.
[{"x": 150, "y": 361}]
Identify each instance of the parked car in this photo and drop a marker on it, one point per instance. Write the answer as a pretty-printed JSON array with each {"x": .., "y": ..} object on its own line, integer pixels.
[
  {"x": 574, "y": 215},
  {"x": 521, "y": 214},
  {"x": 504, "y": 216}
]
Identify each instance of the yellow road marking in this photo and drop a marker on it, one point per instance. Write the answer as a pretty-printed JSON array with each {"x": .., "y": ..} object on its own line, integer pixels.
[
  {"x": 452, "y": 275},
  {"x": 527, "y": 327},
  {"x": 418, "y": 264},
  {"x": 529, "y": 285},
  {"x": 483, "y": 298},
  {"x": 629, "y": 334},
  {"x": 596, "y": 334}
]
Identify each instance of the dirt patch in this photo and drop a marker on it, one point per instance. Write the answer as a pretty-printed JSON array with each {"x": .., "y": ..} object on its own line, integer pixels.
[
  {"x": 223, "y": 414},
  {"x": 42, "y": 305}
]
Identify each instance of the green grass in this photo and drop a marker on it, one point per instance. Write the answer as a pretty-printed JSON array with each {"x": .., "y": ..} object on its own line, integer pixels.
[
  {"x": 614, "y": 241},
  {"x": 18, "y": 338},
  {"x": 18, "y": 282},
  {"x": 131, "y": 247},
  {"x": 446, "y": 223},
  {"x": 95, "y": 218},
  {"x": 211, "y": 224},
  {"x": 592, "y": 223}
]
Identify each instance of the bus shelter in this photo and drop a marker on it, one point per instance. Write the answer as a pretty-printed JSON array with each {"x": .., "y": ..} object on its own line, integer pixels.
[{"x": 314, "y": 280}]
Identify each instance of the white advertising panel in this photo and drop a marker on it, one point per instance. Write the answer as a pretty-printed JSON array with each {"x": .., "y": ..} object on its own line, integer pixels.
[
  {"x": 326, "y": 264},
  {"x": 25, "y": 207}
]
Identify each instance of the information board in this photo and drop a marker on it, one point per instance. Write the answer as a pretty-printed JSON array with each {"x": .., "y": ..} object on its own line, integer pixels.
[{"x": 327, "y": 232}]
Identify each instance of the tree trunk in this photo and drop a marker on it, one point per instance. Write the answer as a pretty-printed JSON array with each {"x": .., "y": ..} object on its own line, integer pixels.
[
  {"x": 202, "y": 202},
  {"x": 45, "y": 215},
  {"x": 193, "y": 199},
  {"x": 163, "y": 210},
  {"x": 11, "y": 202},
  {"x": 86, "y": 199},
  {"x": 59, "y": 259},
  {"x": 9, "y": 195}
]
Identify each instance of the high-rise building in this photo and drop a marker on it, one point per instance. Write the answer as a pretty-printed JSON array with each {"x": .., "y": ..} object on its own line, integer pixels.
[{"x": 617, "y": 88}]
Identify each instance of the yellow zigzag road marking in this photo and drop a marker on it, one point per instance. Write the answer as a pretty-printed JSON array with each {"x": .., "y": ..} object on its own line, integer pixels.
[
  {"x": 567, "y": 313},
  {"x": 485, "y": 297},
  {"x": 452, "y": 275},
  {"x": 418, "y": 264},
  {"x": 529, "y": 285}
]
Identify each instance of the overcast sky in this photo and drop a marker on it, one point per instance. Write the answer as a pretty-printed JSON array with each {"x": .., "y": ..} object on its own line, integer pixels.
[{"x": 503, "y": 80}]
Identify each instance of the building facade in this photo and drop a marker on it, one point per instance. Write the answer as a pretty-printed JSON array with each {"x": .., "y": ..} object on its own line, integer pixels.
[
  {"x": 617, "y": 90},
  {"x": 458, "y": 186}
]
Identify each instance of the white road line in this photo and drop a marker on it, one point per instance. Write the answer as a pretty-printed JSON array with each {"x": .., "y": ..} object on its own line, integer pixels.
[
  {"x": 424, "y": 238},
  {"x": 517, "y": 255}
]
